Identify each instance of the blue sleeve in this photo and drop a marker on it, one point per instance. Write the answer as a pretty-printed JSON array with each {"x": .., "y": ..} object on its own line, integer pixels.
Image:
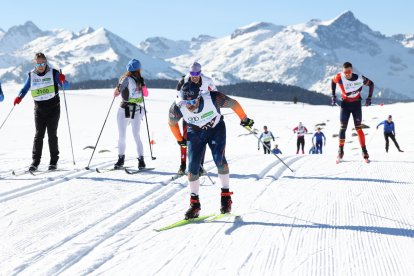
[
  {"x": 56, "y": 74},
  {"x": 323, "y": 135},
  {"x": 393, "y": 128},
  {"x": 381, "y": 123},
  {"x": 25, "y": 88}
]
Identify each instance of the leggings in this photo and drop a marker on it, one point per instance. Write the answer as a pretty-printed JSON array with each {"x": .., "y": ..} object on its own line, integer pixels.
[{"x": 136, "y": 125}]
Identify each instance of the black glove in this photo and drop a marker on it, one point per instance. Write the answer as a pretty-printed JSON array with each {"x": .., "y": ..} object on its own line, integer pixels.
[
  {"x": 182, "y": 143},
  {"x": 333, "y": 102},
  {"x": 246, "y": 122},
  {"x": 258, "y": 148},
  {"x": 368, "y": 101}
]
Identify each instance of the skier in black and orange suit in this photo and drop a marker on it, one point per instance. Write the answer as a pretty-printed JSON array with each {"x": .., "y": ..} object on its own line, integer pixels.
[{"x": 351, "y": 86}]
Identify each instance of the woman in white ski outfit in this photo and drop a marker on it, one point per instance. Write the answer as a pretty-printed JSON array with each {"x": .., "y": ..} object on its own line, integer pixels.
[{"x": 132, "y": 89}]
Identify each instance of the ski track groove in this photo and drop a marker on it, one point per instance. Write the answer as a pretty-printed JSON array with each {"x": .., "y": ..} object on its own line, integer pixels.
[
  {"x": 46, "y": 182},
  {"x": 59, "y": 268}
]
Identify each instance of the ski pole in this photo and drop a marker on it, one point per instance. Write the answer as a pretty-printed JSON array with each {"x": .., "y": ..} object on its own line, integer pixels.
[
  {"x": 211, "y": 180},
  {"x": 146, "y": 121},
  {"x": 87, "y": 167},
  {"x": 7, "y": 117},
  {"x": 264, "y": 145},
  {"x": 67, "y": 116}
]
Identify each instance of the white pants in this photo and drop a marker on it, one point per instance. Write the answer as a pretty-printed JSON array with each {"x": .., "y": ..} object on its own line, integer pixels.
[{"x": 136, "y": 126}]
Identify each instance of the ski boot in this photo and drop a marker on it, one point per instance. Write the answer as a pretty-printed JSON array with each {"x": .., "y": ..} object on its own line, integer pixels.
[
  {"x": 340, "y": 154},
  {"x": 141, "y": 163},
  {"x": 33, "y": 167},
  {"x": 225, "y": 201},
  {"x": 181, "y": 170},
  {"x": 194, "y": 209},
  {"x": 365, "y": 154},
  {"x": 53, "y": 164},
  {"x": 120, "y": 163}
]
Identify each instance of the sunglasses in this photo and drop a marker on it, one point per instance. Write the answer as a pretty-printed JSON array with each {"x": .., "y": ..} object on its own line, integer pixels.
[
  {"x": 195, "y": 74},
  {"x": 190, "y": 102},
  {"x": 41, "y": 64}
]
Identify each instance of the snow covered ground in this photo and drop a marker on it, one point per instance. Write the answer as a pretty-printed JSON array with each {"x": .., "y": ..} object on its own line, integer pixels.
[{"x": 322, "y": 219}]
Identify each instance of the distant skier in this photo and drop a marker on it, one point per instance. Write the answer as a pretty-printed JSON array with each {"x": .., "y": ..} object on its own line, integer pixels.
[
  {"x": 205, "y": 84},
  {"x": 320, "y": 140},
  {"x": 351, "y": 86},
  {"x": 276, "y": 150},
  {"x": 44, "y": 83},
  {"x": 132, "y": 88},
  {"x": 267, "y": 136},
  {"x": 1, "y": 94},
  {"x": 206, "y": 125},
  {"x": 313, "y": 150},
  {"x": 301, "y": 130},
  {"x": 389, "y": 132}
]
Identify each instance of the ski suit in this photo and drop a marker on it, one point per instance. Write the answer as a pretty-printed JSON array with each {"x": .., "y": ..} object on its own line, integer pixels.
[
  {"x": 301, "y": 131},
  {"x": 45, "y": 92},
  {"x": 131, "y": 111},
  {"x": 351, "y": 103},
  {"x": 319, "y": 141},
  {"x": 389, "y": 132},
  {"x": 267, "y": 136}
]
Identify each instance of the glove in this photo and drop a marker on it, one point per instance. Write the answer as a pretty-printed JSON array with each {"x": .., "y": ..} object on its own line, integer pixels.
[
  {"x": 333, "y": 102},
  {"x": 17, "y": 100},
  {"x": 258, "y": 148},
  {"x": 182, "y": 143},
  {"x": 377, "y": 127},
  {"x": 368, "y": 101},
  {"x": 116, "y": 92},
  {"x": 1, "y": 95},
  {"x": 246, "y": 122},
  {"x": 62, "y": 78}
]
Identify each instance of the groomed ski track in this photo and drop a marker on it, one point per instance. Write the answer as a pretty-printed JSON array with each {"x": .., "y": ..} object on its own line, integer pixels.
[{"x": 324, "y": 218}]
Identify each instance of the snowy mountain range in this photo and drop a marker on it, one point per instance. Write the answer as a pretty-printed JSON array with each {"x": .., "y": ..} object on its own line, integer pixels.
[{"x": 305, "y": 55}]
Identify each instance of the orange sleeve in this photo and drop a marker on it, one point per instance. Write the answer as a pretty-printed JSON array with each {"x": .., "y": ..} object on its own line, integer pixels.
[
  {"x": 336, "y": 78},
  {"x": 239, "y": 110},
  {"x": 175, "y": 129}
]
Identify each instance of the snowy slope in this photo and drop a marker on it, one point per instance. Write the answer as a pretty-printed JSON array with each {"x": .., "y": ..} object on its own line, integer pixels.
[
  {"x": 306, "y": 55},
  {"x": 90, "y": 54},
  {"x": 323, "y": 219}
]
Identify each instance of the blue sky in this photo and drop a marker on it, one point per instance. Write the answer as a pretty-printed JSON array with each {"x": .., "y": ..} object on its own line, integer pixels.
[{"x": 137, "y": 20}]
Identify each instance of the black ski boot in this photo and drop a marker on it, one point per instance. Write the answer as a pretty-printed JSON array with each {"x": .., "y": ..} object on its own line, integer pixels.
[
  {"x": 181, "y": 170},
  {"x": 120, "y": 163},
  {"x": 340, "y": 152},
  {"x": 194, "y": 209},
  {"x": 33, "y": 167},
  {"x": 365, "y": 153},
  {"x": 226, "y": 201},
  {"x": 141, "y": 163}
]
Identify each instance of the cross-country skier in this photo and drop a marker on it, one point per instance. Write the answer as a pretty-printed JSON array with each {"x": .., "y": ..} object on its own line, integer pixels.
[
  {"x": 206, "y": 126},
  {"x": 205, "y": 84},
  {"x": 132, "y": 88},
  {"x": 1, "y": 94},
  {"x": 351, "y": 86},
  {"x": 301, "y": 130},
  {"x": 276, "y": 150},
  {"x": 319, "y": 140},
  {"x": 389, "y": 132},
  {"x": 44, "y": 83},
  {"x": 267, "y": 136}
]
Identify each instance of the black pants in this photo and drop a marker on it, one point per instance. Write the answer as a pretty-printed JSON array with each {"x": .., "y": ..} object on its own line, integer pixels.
[
  {"x": 299, "y": 142},
  {"x": 347, "y": 109},
  {"x": 266, "y": 149},
  {"x": 387, "y": 142},
  {"x": 46, "y": 118}
]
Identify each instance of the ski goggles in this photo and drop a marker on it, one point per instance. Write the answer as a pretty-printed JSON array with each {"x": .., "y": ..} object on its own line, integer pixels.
[
  {"x": 190, "y": 102},
  {"x": 40, "y": 64},
  {"x": 195, "y": 74}
]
